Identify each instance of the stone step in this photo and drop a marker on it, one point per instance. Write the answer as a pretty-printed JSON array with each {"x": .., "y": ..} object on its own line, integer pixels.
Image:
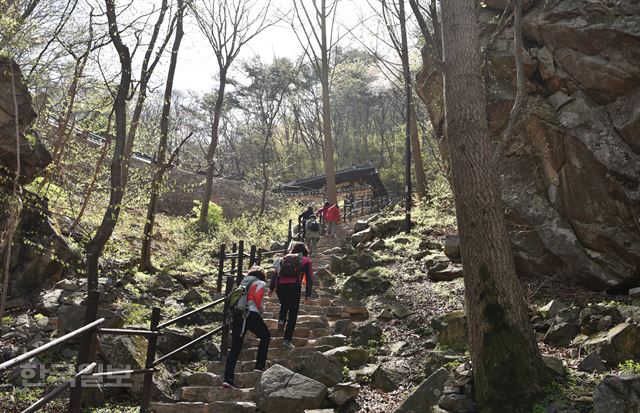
[
  {"x": 214, "y": 393},
  {"x": 242, "y": 380},
  {"x": 277, "y": 352},
  {"x": 198, "y": 407},
  {"x": 304, "y": 320},
  {"x": 303, "y": 332},
  {"x": 250, "y": 342}
]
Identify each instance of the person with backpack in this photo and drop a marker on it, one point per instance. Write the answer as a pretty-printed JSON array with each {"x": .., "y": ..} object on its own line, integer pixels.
[
  {"x": 321, "y": 216},
  {"x": 332, "y": 216},
  {"x": 312, "y": 230},
  {"x": 291, "y": 271},
  {"x": 302, "y": 221},
  {"x": 244, "y": 314}
]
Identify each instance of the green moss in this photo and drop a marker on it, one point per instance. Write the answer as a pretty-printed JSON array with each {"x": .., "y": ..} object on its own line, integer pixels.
[{"x": 502, "y": 361}]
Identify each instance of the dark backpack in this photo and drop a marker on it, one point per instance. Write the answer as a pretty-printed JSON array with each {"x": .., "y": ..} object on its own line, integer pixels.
[
  {"x": 314, "y": 226},
  {"x": 291, "y": 266}
]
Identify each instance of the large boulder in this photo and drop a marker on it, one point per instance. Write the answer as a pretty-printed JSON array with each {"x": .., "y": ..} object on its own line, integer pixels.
[
  {"x": 596, "y": 318},
  {"x": 319, "y": 367},
  {"x": 34, "y": 157},
  {"x": 619, "y": 344},
  {"x": 343, "y": 393},
  {"x": 280, "y": 390},
  {"x": 426, "y": 394},
  {"x": 71, "y": 317},
  {"x": 620, "y": 394},
  {"x": 364, "y": 334},
  {"x": 365, "y": 235},
  {"x": 453, "y": 331},
  {"x": 570, "y": 175},
  {"x": 129, "y": 352},
  {"x": 388, "y": 377},
  {"x": 345, "y": 264},
  {"x": 365, "y": 283},
  {"x": 349, "y": 356},
  {"x": 565, "y": 328},
  {"x": 41, "y": 256}
]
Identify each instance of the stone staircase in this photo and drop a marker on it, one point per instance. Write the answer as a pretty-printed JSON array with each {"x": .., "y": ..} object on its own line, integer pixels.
[{"x": 315, "y": 332}]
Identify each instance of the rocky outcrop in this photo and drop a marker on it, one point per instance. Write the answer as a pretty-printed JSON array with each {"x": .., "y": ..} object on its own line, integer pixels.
[
  {"x": 33, "y": 155},
  {"x": 40, "y": 254},
  {"x": 571, "y": 172}
]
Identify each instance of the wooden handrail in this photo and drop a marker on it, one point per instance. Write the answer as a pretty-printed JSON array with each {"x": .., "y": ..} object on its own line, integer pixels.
[
  {"x": 128, "y": 332},
  {"x": 123, "y": 372},
  {"x": 188, "y": 345},
  {"x": 26, "y": 356},
  {"x": 55, "y": 392},
  {"x": 190, "y": 313}
]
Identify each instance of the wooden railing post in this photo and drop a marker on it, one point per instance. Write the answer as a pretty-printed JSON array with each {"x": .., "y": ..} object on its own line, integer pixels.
[
  {"x": 234, "y": 249},
  {"x": 224, "y": 339},
  {"x": 221, "y": 258},
  {"x": 240, "y": 261},
  {"x": 344, "y": 211},
  {"x": 151, "y": 357},
  {"x": 259, "y": 257},
  {"x": 87, "y": 349},
  {"x": 362, "y": 205},
  {"x": 290, "y": 233},
  {"x": 252, "y": 256}
]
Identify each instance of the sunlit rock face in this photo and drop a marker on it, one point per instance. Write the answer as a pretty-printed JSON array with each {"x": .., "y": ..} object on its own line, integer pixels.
[
  {"x": 39, "y": 253},
  {"x": 571, "y": 173}
]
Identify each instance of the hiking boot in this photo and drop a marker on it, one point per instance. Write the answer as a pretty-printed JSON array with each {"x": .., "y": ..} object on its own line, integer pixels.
[
  {"x": 281, "y": 327},
  {"x": 288, "y": 345},
  {"x": 227, "y": 385}
]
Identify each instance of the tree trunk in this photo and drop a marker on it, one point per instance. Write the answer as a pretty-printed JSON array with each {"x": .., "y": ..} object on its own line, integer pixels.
[
  {"x": 146, "y": 71},
  {"x": 508, "y": 369},
  {"x": 418, "y": 167},
  {"x": 203, "y": 224},
  {"x": 96, "y": 245},
  {"x": 329, "y": 166},
  {"x": 145, "y": 253},
  {"x": 404, "y": 55},
  {"x": 96, "y": 171},
  {"x": 521, "y": 95}
]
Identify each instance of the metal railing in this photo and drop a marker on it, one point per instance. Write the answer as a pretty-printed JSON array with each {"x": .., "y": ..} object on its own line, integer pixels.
[{"x": 91, "y": 328}]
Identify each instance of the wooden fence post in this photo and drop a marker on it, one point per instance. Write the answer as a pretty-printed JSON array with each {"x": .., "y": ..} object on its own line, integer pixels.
[
  {"x": 240, "y": 261},
  {"x": 234, "y": 249},
  {"x": 290, "y": 233},
  {"x": 224, "y": 339},
  {"x": 151, "y": 357},
  {"x": 252, "y": 256},
  {"x": 86, "y": 352},
  {"x": 259, "y": 257},
  {"x": 221, "y": 258},
  {"x": 344, "y": 211}
]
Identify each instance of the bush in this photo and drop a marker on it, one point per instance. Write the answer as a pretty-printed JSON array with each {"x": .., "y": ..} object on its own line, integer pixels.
[{"x": 215, "y": 214}]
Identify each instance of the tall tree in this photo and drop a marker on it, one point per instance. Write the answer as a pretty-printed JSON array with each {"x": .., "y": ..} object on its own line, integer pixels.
[
  {"x": 263, "y": 99},
  {"x": 508, "y": 369},
  {"x": 96, "y": 245},
  {"x": 317, "y": 26},
  {"x": 391, "y": 11},
  {"x": 228, "y": 26},
  {"x": 146, "y": 72},
  {"x": 161, "y": 164}
]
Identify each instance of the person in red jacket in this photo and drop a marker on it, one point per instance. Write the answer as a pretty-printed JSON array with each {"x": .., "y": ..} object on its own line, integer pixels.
[
  {"x": 288, "y": 288},
  {"x": 252, "y": 321},
  {"x": 332, "y": 216}
]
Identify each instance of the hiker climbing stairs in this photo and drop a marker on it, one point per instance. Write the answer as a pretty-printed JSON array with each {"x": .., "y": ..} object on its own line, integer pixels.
[{"x": 323, "y": 325}]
